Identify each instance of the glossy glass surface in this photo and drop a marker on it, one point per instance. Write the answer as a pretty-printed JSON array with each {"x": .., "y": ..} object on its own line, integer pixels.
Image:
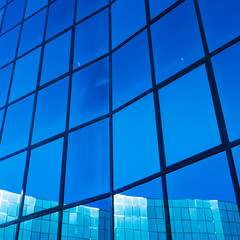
[
  {"x": 56, "y": 58},
  {"x": 5, "y": 77},
  {"x": 16, "y": 133},
  {"x": 8, "y": 45},
  {"x": 25, "y": 75},
  {"x": 33, "y": 6},
  {"x": 227, "y": 74},
  {"x": 90, "y": 93},
  {"x": 32, "y": 32},
  {"x": 135, "y": 151},
  {"x": 188, "y": 119},
  {"x": 124, "y": 22},
  {"x": 87, "y": 173},
  {"x": 221, "y": 21},
  {"x": 236, "y": 157},
  {"x": 8, "y": 232},
  {"x": 176, "y": 41},
  {"x": 60, "y": 12},
  {"x": 94, "y": 44},
  {"x": 51, "y": 111},
  {"x": 131, "y": 70}
]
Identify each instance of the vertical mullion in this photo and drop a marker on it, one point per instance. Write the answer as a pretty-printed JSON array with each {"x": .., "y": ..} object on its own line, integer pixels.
[{"x": 159, "y": 125}]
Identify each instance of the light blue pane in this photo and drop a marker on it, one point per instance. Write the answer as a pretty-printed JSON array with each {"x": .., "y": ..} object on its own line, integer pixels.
[
  {"x": 8, "y": 45},
  {"x": 221, "y": 21},
  {"x": 156, "y": 6},
  {"x": 60, "y": 16},
  {"x": 87, "y": 173},
  {"x": 131, "y": 70},
  {"x": 227, "y": 74},
  {"x": 236, "y": 157},
  {"x": 45, "y": 161},
  {"x": 85, "y": 8},
  {"x": 135, "y": 148},
  {"x": 176, "y": 41},
  {"x": 95, "y": 41},
  {"x": 188, "y": 119},
  {"x": 32, "y": 32},
  {"x": 13, "y": 15},
  {"x": 5, "y": 77},
  {"x": 33, "y": 6},
  {"x": 56, "y": 58},
  {"x": 17, "y": 126},
  {"x": 50, "y": 117},
  {"x": 128, "y": 16},
  {"x": 201, "y": 181},
  {"x": 8, "y": 232},
  {"x": 25, "y": 75},
  {"x": 90, "y": 93}
]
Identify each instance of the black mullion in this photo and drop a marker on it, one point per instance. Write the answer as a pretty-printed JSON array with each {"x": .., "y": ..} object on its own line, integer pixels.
[
  {"x": 159, "y": 126},
  {"x": 217, "y": 105}
]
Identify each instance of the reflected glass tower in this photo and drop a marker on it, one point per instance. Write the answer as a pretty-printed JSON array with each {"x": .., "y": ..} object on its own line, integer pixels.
[{"x": 119, "y": 120}]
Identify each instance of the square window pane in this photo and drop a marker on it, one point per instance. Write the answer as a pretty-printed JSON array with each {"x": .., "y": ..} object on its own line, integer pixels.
[{"x": 8, "y": 232}]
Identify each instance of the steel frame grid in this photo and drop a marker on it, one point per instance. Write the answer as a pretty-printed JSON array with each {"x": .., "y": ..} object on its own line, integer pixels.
[{"x": 206, "y": 60}]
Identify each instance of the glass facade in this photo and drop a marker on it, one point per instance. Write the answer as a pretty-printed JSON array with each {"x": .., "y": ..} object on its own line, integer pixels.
[{"x": 119, "y": 119}]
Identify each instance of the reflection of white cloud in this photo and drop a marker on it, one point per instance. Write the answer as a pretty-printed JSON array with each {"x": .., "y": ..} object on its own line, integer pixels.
[
  {"x": 79, "y": 64},
  {"x": 103, "y": 81},
  {"x": 182, "y": 59}
]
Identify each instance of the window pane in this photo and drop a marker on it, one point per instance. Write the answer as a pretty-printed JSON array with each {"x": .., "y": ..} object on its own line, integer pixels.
[
  {"x": 60, "y": 16},
  {"x": 95, "y": 41},
  {"x": 43, "y": 192},
  {"x": 156, "y": 6},
  {"x": 139, "y": 213},
  {"x": 33, "y": 6},
  {"x": 45, "y": 227},
  {"x": 221, "y": 21},
  {"x": 8, "y": 45},
  {"x": 8, "y": 232},
  {"x": 188, "y": 119},
  {"x": 85, "y": 8},
  {"x": 135, "y": 148},
  {"x": 236, "y": 157},
  {"x": 87, "y": 172},
  {"x": 1, "y": 15},
  {"x": 13, "y": 15},
  {"x": 204, "y": 192},
  {"x": 124, "y": 22},
  {"x": 25, "y": 75},
  {"x": 227, "y": 74},
  {"x": 176, "y": 41},
  {"x": 5, "y": 77},
  {"x": 90, "y": 93},
  {"x": 51, "y": 111},
  {"x": 11, "y": 179},
  {"x": 32, "y": 32},
  {"x": 16, "y": 133},
  {"x": 56, "y": 58},
  {"x": 90, "y": 221},
  {"x": 131, "y": 70}
]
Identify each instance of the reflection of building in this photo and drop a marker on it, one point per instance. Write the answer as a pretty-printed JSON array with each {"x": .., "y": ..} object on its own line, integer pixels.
[{"x": 135, "y": 218}]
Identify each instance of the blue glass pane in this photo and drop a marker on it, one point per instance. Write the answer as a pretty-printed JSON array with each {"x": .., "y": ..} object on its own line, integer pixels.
[
  {"x": 95, "y": 41},
  {"x": 85, "y": 8},
  {"x": 25, "y": 75},
  {"x": 188, "y": 119},
  {"x": 8, "y": 232},
  {"x": 33, "y": 6},
  {"x": 3, "y": 2},
  {"x": 1, "y": 14},
  {"x": 17, "y": 126},
  {"x": 221, "y": 21},
  {"x": 131, "y": 70},
  {"x": 44, "y": 161},
  {"x": 156, "y": 6},
  {"x": 128, "y": 16},
  {"x": 5, "y": 77},
  {"x": 236, "y": 157},
  {"x": 176, "y": 41},
  {"x": 8, "y": 45},
  {"x": 227, "y": 74},
  {"x": 87, "y": 173},
  {"x": 90, "y": 93},
  {"x": 56, "y": 58},
  {"x": 135, "y": 148},
  {"x": 50, "y": 117},
  {"x": 60, "y": 16},
  {"x": 32, "y": 32},
  {"x": 13, "y": 15}
]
